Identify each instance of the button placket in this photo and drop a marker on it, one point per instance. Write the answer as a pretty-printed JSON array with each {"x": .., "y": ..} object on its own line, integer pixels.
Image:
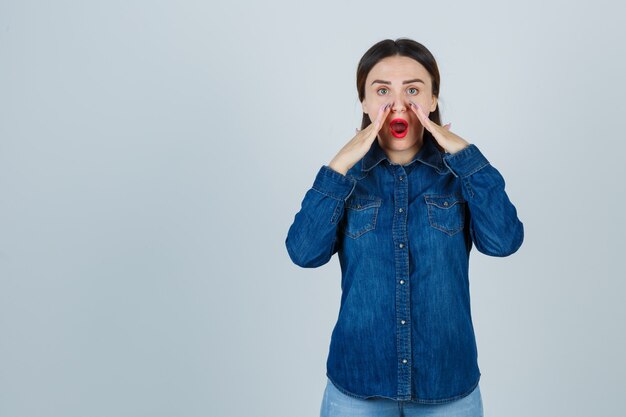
[{"x": 403, "y": 295}]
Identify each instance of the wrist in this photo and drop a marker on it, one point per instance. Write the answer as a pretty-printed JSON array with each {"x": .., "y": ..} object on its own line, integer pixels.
[
  {"x": 458, "y": 148},
  {"x": 337, "y": 167}
]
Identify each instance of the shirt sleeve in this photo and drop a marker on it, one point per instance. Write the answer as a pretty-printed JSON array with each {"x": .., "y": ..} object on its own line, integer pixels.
[
  {"x": 312, "y": 237},
  {"x": 494, "y": 227}
]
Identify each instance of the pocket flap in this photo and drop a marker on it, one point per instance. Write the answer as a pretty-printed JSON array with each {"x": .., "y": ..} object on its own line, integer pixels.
[{"x": 444, "y": 201}]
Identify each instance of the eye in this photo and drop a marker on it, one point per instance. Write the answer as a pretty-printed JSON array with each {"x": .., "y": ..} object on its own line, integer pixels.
[
  {"x": 413, "y": 88},
  {"x": 380, "y": 89}
]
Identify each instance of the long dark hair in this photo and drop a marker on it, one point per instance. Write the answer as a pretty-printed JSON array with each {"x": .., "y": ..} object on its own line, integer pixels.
[{"x": 403, "y": 47}]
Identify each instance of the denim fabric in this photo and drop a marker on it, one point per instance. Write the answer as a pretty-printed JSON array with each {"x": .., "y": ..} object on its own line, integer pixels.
[
  {"x": 336, "y": 404},
  {"x": 403, "y": 235}
]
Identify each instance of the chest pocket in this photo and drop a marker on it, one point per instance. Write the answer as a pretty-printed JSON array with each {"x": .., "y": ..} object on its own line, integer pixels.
[
  {"x": 360, "y": 215},
  {"x": 446, "y": 212}
]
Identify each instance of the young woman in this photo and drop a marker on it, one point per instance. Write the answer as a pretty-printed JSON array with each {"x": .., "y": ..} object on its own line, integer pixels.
[{"x": 402, "y": 204}]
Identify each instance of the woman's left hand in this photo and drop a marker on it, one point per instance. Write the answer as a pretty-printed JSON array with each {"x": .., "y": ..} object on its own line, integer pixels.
[{"x": 449, "y": 141}]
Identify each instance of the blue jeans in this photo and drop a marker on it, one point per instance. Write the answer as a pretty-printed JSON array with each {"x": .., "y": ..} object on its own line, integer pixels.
[{"x": 338, "y": 404}]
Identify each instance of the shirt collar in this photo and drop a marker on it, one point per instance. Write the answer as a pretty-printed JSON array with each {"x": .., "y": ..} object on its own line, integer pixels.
[{"x": 429, "y": 154}]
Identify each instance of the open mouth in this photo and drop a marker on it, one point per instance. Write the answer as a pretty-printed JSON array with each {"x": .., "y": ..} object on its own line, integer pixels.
[{"x": 399, "y": 128}]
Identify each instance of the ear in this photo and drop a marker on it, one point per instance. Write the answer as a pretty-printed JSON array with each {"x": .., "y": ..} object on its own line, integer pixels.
[
  {"x": 434, "y": 105},
  {"x": 363, "y": 106}
]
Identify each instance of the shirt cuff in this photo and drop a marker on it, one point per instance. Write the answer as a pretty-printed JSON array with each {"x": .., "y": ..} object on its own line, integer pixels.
[
  {"x": 465, "y": 162},
  {"x": 333, "y": 184}
]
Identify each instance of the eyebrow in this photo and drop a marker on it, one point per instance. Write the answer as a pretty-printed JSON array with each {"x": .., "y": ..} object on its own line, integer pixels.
[{"x": 416, "y": 80}]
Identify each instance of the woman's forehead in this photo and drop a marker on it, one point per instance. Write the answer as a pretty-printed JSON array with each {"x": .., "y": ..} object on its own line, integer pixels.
[{"x": 398, "y": 69}]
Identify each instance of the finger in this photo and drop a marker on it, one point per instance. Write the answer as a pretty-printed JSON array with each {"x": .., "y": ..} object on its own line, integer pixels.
[
  {"x": 423, "y": 118},
  {"x": 447, "y": 126},
  {"x": 414, "y": 108},
  {"x": 417, "y": 109},
  {"x": 426, "y": 122},
  {"x": 421, "y": 111},
  {"x": 382, "y": 115}
]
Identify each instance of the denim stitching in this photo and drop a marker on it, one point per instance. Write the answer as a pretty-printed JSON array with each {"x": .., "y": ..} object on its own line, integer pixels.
[
  {"x": 373, "y": 205},
  {"x": 476, "y": 170},
  {"x": 468, "y": 186},
  {"x": 430, "y": 210},
  {"x": 337, "y": 213}
]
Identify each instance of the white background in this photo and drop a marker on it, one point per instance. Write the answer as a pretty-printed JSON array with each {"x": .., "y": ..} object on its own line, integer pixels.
[{"x": 153, "y": 155}]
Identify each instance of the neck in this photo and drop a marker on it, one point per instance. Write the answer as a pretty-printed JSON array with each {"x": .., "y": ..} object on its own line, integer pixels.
[{"x": 404, "y": 156}]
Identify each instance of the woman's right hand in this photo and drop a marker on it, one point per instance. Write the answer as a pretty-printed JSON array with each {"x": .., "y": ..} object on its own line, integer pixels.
[{"x": 357, "y": 147}]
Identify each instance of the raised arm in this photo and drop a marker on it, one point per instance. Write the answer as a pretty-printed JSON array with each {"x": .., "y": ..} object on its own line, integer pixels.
[{"x": 312, "y": 237}]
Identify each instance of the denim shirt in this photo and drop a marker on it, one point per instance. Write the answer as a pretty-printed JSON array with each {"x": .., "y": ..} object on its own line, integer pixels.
[{"x": 403, "y": 235}]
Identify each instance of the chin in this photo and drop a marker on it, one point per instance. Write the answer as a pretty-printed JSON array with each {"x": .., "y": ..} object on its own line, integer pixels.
[{"x": 399, "y": 144}]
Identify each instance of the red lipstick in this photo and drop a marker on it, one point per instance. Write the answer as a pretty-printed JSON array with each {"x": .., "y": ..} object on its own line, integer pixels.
[{"x": 399, "y": 128}]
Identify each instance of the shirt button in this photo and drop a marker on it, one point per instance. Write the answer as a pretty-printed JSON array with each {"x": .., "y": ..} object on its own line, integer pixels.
[
  {"x": 401, "y": 245},
  {"x": 401, "y": 281},
  {"x": 404, "y": 361},
  {"x": 402, "y": 321},
  {"x": 401, "y": 177},
  {"x": 400, "y": 209},
  {"x": 445, "y": 203}
]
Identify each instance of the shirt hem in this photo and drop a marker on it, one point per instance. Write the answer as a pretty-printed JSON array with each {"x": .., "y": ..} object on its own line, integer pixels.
[{"x": 416, "y": 400}]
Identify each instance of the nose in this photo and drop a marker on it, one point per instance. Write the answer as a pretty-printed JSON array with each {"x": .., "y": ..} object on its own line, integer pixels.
[{"x": 399, "y": 105}]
